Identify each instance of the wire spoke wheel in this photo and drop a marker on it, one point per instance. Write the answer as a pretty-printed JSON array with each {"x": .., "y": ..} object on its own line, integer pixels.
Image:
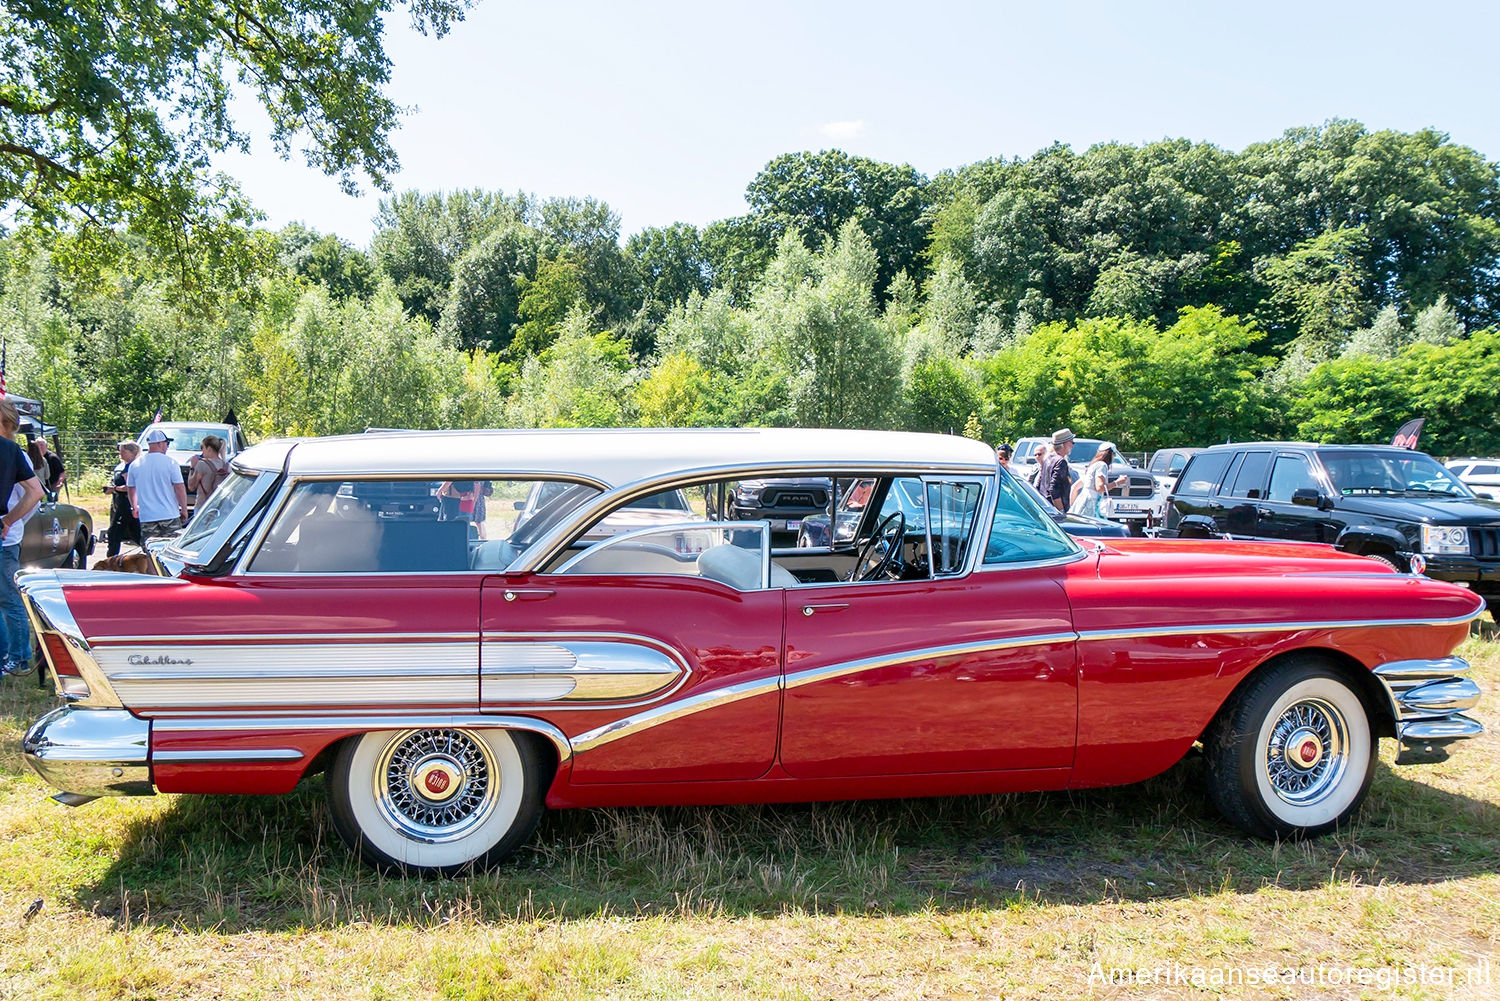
[
  {"x": 1307, "y": 753},
  {"x": 433, "y": 785}
]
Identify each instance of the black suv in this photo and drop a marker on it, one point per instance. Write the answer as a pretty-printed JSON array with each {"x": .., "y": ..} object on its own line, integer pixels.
[
  {"x": 1391, "y": 503},
  {"x": 784, "y": 502}
]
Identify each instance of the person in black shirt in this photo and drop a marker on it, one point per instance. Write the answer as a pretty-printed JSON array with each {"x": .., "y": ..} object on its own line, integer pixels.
[
  {"x": 123, "y": 525},
  {"x": 1056, "y": 481}
]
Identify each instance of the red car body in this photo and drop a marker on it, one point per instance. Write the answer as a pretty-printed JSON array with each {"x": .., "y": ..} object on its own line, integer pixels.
[{"x": 1102, "y": 667}]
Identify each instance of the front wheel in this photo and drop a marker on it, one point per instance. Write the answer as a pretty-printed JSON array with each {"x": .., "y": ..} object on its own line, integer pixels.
[
  {"x": 1292, "y": 754},
  {"x": 436, "y": 801}
]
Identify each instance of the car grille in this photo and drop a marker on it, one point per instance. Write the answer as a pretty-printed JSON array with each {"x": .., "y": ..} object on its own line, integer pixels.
[
  {"x": 799, "y": 498},
  {"x": 1484, "y": 543},
  {"x": 1139, "y": 486}
]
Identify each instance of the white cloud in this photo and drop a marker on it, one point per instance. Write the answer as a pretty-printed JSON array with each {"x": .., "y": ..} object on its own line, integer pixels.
[{"x": 841, "y": 131}]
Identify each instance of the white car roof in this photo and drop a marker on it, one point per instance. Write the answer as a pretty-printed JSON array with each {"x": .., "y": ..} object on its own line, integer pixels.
[{"x": 613, "y": 457}]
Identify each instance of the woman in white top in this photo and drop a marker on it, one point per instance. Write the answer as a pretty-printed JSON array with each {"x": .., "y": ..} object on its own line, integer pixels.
[{"x": 1095, "y": 484}]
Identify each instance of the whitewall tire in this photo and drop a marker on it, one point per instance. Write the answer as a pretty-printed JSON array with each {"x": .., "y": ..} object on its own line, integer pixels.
[
  {"x": 1292, "y": 753},
  {"x": 436, "y": 801}
]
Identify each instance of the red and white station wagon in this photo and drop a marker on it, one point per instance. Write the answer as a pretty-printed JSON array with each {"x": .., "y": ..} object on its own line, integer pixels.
[{"x": 454, "y": 669}]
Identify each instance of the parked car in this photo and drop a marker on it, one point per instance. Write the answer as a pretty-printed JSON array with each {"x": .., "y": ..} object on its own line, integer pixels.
[
  {"x": 1131, "y": 503},
  {"x": 1165, "y": 466},
  {"x": 783, "y": 501},
  {"x": 187, "y": 442},
  {"x": 59, "y": 533},
  {"x": 1392, "y": 504},
  {"x": 1480, "y": 475},
  {"x": 452, "y": 688}
]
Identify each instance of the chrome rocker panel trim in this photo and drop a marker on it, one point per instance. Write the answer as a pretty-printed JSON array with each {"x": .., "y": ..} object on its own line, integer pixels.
[
  {"x": 88, "y": 753},
  {"x": 1427, "y": 699}
]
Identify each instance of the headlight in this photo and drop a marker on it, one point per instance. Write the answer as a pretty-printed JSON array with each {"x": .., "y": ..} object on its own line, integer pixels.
[
  {"x": 1442, "y": 539},
  {"x": 747, "y": 494}
]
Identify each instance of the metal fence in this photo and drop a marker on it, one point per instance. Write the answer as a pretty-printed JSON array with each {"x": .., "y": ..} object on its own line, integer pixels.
[{"x": 82, "y": 451}]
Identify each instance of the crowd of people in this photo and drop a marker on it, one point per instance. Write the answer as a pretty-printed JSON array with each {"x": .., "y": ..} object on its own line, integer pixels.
[
  {"x": 148, "y": 500},
  {"x": 1053, "y": 478}
]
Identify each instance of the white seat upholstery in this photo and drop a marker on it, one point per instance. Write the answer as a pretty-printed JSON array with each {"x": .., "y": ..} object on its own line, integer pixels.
[{"x": 739, "y": 568}]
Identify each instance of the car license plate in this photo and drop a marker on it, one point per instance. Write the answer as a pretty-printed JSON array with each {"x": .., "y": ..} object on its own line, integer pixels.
[{"x": 786, "y": 526}]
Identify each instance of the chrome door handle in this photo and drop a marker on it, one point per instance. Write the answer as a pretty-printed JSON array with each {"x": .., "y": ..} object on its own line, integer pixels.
[
  {"x": 834, "y": 607},
  {"x": 527, "y": 594}
]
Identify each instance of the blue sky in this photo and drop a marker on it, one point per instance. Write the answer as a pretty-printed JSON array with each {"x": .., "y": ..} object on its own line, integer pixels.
[{"x": 667, "y": 110}]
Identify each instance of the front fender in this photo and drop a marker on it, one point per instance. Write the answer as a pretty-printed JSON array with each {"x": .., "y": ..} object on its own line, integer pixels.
[{"x": 1361, "y": 538}]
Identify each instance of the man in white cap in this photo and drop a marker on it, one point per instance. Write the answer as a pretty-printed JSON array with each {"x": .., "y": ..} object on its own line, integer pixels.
[
  {"x": 157, "y": 495},
  {"x": 1055, "y": 481}
]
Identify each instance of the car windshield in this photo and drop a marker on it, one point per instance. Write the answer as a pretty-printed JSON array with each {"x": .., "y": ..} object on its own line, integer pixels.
[
  {"x": 190, "y": 439},
  {"x": 1390, "y": 472}
]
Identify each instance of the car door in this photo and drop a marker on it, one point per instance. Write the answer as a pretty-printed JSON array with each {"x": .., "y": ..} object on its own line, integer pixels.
[
  {"x": 959, "y": 671},
  {"x": 1280, "y": 518},
  {"x": 1237, "y": 505},
  {"x": 677, "y": 674}
]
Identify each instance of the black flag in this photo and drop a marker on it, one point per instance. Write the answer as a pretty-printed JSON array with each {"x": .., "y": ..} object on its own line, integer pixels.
[
  {"x": 1409, "y": 433},
  {"x": 230, "y": 418}
]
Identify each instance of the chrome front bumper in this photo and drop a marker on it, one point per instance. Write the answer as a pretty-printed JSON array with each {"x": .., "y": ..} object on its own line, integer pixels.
[
  {"x": 1427, "y": 701},
  {"x": 88, "y": 753}
]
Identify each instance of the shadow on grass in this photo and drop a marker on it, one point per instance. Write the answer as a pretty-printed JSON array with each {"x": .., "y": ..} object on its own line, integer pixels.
[{"x": 273, "y": 863}]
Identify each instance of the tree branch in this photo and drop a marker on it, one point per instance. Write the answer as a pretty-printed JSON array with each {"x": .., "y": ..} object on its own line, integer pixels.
[
  {"x": 40, "y": 159},
  {"x": 22, "y": 109}
]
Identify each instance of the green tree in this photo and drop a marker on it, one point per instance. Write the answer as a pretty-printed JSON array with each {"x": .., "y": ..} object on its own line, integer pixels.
[
  {"x": 583, "y": 380},
  {"x": 815, "y": 194},
  {"x": 111, "y": 114},
  {"x": 419, "y": 239},
  {"x": 329, "y": 261},
  {"x": 1316, "y": 290},
  {"x": 548, "y": 300},
  {"x": 483, "y": 305}
]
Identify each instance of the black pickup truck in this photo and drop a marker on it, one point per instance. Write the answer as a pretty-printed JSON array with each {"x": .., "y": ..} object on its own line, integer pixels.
[{"x": 1393, "y": 504}]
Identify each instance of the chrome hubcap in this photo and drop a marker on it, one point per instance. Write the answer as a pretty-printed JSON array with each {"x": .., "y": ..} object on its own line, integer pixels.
[
  {"x": 436, "y": 785},
  {"x": 1307, "y": 752}
]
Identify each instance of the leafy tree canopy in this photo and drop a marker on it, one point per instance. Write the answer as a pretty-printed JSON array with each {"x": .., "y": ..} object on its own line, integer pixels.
[{"x": 111, "y": 112}]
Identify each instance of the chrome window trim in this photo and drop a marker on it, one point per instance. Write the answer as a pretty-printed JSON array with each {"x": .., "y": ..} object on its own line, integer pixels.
[
  {"x": 736, "y": 526},
  {"x": 283, "y": 495},
  {"x": 564, "y": 534},
  {"x": 219, "y": 723}
]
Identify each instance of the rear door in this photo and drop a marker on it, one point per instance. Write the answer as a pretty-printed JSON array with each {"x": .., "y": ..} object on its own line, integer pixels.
[{"x": 655, "y": 672}]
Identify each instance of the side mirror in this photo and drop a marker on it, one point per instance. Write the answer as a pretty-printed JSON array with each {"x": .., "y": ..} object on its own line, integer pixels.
[
  {"x": 1307, "y": 497},
  {"x": 518, "y": 505}
]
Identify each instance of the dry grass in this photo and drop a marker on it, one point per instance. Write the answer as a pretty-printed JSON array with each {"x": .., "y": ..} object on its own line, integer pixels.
[{"x": 1011, "y": 896}]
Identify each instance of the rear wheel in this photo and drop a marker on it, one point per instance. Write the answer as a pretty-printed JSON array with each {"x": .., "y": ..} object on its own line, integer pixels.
[
  {"x": 78, "y": 556},
  {"x": 436, "y": 801},
  {"x": 1291, "y": 754}
]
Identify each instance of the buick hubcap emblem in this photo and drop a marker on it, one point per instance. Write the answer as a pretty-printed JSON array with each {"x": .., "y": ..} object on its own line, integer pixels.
[{"x": 437, "y": 780}]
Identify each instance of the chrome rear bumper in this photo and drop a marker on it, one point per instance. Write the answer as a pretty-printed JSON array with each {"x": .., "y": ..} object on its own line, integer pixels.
[
  {"x": 88, "y": 753},
  {"x": 1427, "y": 701}
]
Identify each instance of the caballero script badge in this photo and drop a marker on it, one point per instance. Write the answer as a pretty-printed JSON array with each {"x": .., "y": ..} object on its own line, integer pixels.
[{"x": 140, "y": 659}]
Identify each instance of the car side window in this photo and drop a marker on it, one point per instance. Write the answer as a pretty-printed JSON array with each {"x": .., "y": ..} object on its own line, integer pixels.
[
  {"x": 734, "y": 554},
  {"x": 399, "y": 526},
  {"x": 1249, "y": 477},
  {"x": 1203, "y": 473},
  {"x": 1290, "y": 474}
]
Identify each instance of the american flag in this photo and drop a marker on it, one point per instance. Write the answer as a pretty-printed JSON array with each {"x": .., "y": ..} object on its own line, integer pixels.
[
  {"x": 3, "y": 347},
  {"x": 157, "y": 418}
]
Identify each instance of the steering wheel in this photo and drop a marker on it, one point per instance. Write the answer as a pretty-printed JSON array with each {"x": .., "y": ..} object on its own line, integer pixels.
[{"x": 873, "y": 561}]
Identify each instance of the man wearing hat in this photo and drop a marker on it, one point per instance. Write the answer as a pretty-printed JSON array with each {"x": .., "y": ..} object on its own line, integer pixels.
[
  {"x": 1055, "y": 481},
  {"x": 157, "y": 495}
]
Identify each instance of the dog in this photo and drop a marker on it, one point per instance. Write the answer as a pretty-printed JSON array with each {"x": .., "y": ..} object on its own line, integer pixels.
[{"x": 129, "y": 563}]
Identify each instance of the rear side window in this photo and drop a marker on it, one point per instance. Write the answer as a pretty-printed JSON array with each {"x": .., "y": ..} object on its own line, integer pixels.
[
  {"x": 1483, "y": 469},
  {"x": 1203, "y": 473},
  {"x": 1249, "y": 479}
]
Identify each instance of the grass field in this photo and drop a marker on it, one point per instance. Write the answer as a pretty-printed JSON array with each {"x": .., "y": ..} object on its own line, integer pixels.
[{"x": 1029, "y": 896}]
